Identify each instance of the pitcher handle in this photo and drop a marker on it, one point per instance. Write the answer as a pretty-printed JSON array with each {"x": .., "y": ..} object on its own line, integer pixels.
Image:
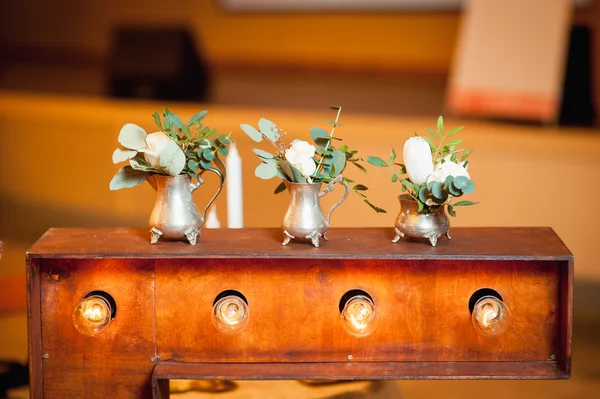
[
  {"x": 194, "y": 187},
  {"x": 338, "y": 179}
]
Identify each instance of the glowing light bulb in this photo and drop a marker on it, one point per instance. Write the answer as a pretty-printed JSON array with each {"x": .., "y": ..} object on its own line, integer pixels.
[
  {"x": 92, "y": 315},
  {"x": 230, "y": 314},
  {"x": 490, "y": 316},
  {"x": 359, "y": 317}
]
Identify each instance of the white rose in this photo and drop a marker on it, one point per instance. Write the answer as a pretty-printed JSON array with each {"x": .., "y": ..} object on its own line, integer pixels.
[
  {"x": 155, "y": 143},
  {"x": 418, "y": 160},
  {"x": 300, "y": 156},
  {"x": 448, "y": 168}
]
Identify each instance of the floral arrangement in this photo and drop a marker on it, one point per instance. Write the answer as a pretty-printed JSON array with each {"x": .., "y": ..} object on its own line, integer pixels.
[
  {"x": 435, "y": 174},
  {"x": 302, "y": 162},
  {"x": 176, "y": 149}
]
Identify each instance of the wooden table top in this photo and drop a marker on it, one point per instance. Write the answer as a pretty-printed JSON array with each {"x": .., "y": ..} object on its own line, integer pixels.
[{"x": 499, "y": 243}]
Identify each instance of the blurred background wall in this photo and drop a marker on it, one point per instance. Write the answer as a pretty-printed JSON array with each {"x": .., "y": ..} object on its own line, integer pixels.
[{"x": 59, "y": 120}]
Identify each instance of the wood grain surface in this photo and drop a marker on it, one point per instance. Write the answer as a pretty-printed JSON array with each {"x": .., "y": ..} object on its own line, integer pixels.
[
  {"x": 117, "y": 362},
  {"x": 494, "y": 243},
  {"x": 164, "y": 295},
  {"x": 294, "y": 314}
]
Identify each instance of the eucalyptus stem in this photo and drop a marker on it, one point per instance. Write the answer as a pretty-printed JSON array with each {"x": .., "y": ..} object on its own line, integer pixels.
[{"x": 337, "y": 117}]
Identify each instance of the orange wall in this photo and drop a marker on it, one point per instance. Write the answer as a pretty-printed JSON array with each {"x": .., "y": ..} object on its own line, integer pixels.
[{"x": 408, "y": 41}]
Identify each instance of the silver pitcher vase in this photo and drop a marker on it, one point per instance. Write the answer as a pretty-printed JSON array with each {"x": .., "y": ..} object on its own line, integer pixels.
[
  {"x": 304, "y": 217},
  {"x": 175, "y": 216},
  {"x": 411, "y": 223}
]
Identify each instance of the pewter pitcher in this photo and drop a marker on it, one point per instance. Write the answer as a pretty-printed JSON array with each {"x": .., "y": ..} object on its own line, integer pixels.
[
  {"x": 175, "y": 216},
  {"x": 411, "y": 223},
  {"x": 304, "y": 217}
]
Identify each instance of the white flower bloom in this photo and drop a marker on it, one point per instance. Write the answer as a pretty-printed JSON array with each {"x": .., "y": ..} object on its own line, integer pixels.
[
  {"x": 448, "y": 168},
  {"x": 418, "y": 160},
  {"x": 155, "y": 144},
  {"x": 300, "y": 156}
]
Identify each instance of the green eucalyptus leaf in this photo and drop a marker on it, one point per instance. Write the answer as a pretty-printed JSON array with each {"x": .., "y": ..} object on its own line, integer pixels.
[
  {"x": 465, "y": 155},
  {"x": 424, "y": 194},
  {"x": 408, "y": 184},
  {"x": 286, "y": 169},
  {"x": 375, "y": 208},
  {"x": 122, "y": 154},
  {"x": 454, "y": 143},
  {"x": 177, "y": 122},
  {"x": 252, "y": 132},
  {"x": 461, "y": 182},
  {"x": 224, "y": 151},
  {"x": 453, "y": 189},
  {"x": 280, "y": 188},
  {"x": 394, "y": 178},
  {"x": 206, "y": 164},
  {"x": 468, "y": 188},
  {"x": 266, "y": 171},
  {"x": 172, "y": 159},
  {"x": 319, "y": 134},
  {"x": 132, "y": 137},
  {"x": 298, "y": 177},
  {"x": 438, "y": 191},
  {"x": 376, "y": 161},
  {"x": 192, "y": 174},
  {"x": 465, "y": 203},
  {"x": 359, "y": 166},
  {"x": 360, "y": 187},
  {"x": 127, "y": 177},
  {"x": 223, "y": 139},
  {"x": 338, "y": 161},
  {"x": 454, "y": 131},
  {"x": 192, "y": 165},
  {"x": 322, "y": 151},
  {"x": 344, "y": 148},
  {"x": 203, "y": 143},
  {"x": 334, "y": 123},
  {"x": 138, "y": 164},
  {"x": 157, "y": 119},
  {"x": 263, "y": 154},
  {"x": 208, "y": 154},
  {"x": 335, "y": 107},
  {"x": 451, "y": 211},
  {"x": 269, "y": 129},
  {"x": 186, "y": 131},
  {"x": 167, "y": 122},
  {"x": 197, "y": 117}
]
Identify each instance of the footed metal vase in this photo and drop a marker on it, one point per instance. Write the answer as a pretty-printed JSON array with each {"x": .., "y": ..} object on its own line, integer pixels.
[
  {"x": 304, "y": 217},
  {"x": 413, "y": 224},
  {"x": 175, "y": 216}
]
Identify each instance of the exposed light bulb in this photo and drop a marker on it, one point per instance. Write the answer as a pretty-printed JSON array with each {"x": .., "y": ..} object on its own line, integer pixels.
[
  {"x": 230, "y": 314},
  {"x": 92, "y": 315},
  {"x": 359, "y": 317},
  {"x": 490, "y": 316}
]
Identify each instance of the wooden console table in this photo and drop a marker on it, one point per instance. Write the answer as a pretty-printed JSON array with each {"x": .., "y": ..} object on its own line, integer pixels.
[{"x": 164, "y": 293}]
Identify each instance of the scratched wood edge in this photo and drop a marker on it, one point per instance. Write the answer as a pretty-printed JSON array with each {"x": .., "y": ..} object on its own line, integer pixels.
[
  {"x": 464, "y": 370},
  {"x": 34, "y": 330}
]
